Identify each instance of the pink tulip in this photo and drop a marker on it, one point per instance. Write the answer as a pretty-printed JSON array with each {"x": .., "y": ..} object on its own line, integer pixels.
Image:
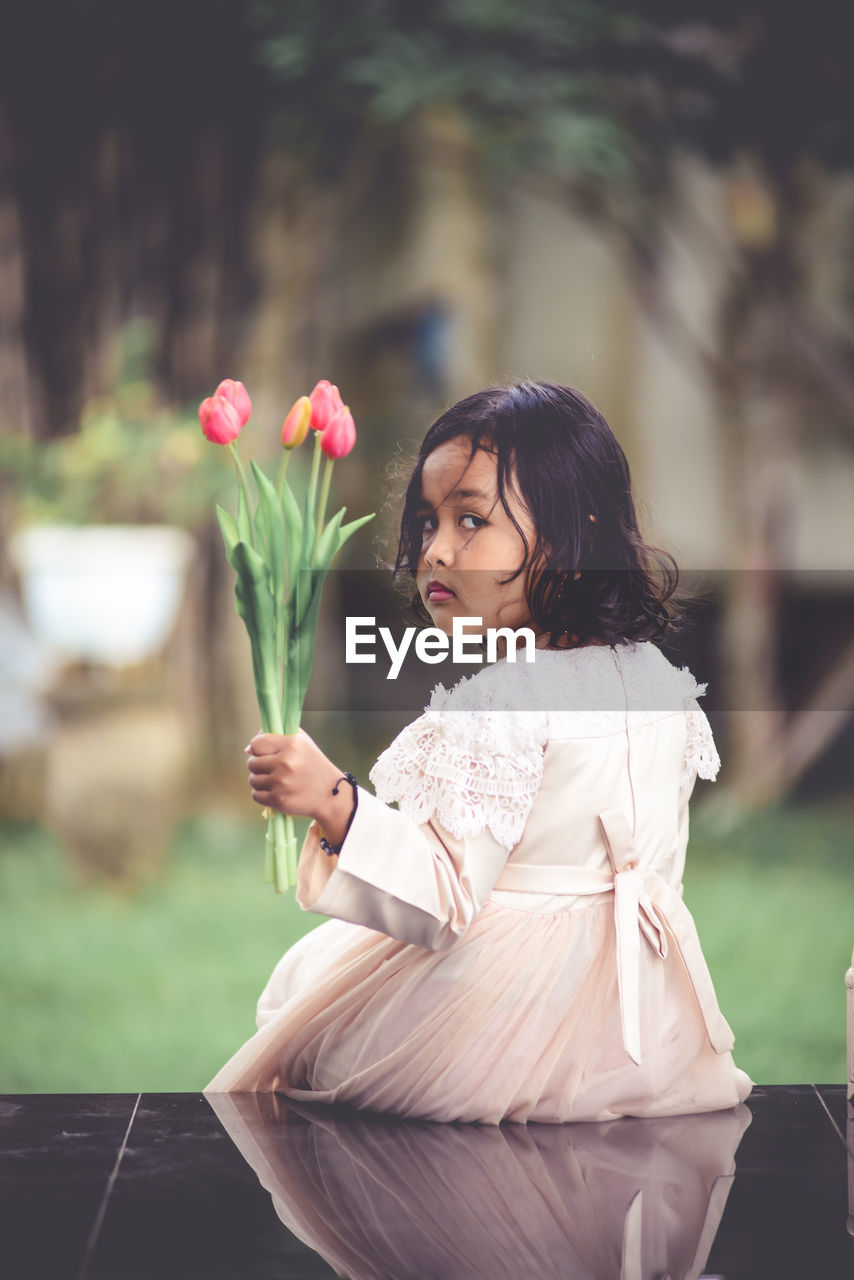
[
  {"x": 296, "y": 424},
  {"x": 340, "y": 435},
  {"x": 237, "y": 395},
  {"x": 325, "y": 403},
  {"x": 220, "y": 420}
]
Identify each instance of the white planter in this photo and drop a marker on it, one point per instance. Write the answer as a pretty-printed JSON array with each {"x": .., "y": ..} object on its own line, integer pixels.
[{"x": 103, "y": 593}]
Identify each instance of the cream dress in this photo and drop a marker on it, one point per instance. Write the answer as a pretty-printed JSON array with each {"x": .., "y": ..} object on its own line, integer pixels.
[{"x": 510, "y": 943}]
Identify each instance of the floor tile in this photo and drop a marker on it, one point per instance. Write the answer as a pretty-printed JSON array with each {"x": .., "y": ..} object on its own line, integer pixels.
[
  {"x": 185, "y": 1204},
  {"x": 840, "y": 1111},
  {"x": 787, "y": 1214},
  {"x": 247, "y": 1187},
  {"x": 57, "y": 1152}
]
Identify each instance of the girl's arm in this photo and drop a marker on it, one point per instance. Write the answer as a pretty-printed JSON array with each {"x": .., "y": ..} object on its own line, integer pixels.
[
  {"x": 406, "y": 875},
  {"x": 416, "y": 882}
]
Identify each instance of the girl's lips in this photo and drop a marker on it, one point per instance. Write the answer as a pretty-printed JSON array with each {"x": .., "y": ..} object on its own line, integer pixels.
[{"x": 438, "y": 592}]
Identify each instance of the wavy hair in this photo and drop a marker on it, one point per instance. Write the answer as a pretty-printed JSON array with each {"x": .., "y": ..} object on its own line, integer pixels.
[{"x": 597, "y": 578}]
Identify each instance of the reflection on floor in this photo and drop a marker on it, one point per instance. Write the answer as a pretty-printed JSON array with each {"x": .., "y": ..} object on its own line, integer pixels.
[{"x": 243, "y": 1187}]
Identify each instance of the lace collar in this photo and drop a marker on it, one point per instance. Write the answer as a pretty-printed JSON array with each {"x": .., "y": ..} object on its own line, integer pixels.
[
  {"x": 475, "y": 756},
  {"x": 596, "y": 679}
]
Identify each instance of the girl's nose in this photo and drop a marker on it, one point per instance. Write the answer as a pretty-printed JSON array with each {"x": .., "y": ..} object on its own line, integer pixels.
[{"x": 439, "y": 553}]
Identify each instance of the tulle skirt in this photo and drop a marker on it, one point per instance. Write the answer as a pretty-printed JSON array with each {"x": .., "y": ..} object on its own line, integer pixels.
[{"x": 518, "y": 1021}]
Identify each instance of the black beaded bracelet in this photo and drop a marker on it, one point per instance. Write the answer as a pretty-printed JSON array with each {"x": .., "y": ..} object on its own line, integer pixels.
[{"x": 325, "y": 845}]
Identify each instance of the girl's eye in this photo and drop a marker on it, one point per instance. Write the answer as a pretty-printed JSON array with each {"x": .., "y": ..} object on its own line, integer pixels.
[{"x": 427, "y": 524}]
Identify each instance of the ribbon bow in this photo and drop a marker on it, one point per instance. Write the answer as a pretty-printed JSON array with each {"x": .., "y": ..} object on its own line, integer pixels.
[
  {"x": 640, "y": 895},
  {"x": 634, "y": 914}
]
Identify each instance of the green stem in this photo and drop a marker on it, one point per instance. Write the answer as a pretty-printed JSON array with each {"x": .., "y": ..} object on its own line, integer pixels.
[
  {"x": 291, "y": 708},
  {"x": 291, "y": 855},
  {"x": 309, "y": 539},
  {"x": 281, "y": 850},
  {"x": 324, "y": 498},
  {"x": 272, "y": 698},
  {"x": 282, "y": 605},
  {"x": 283, "y": 713},
  {"x": 315, "y": 466},
  {"x": 286, "y": 857},
  {"x": 242, "y": 481},
  {"x": 280, "y": 864},
  {"x": 281, "y": 650},
  {"x": 283, "y": 466},
  {"x": 270, "y": 851}
]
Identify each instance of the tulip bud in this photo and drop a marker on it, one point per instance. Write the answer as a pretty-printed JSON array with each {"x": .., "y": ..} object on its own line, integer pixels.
[
  {"x": 340, "y": 436},
  {"x": 220, "y": 420},
  {"x": 296, "y": 424},
  {"x": 325, "y": 403},
  {"x": 237, "y": 395}
]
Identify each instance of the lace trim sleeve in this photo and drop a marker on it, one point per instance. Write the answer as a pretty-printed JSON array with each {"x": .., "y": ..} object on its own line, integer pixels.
[
  {"x": 701, "y": 755},
  {"x": 474, "y": 768}
]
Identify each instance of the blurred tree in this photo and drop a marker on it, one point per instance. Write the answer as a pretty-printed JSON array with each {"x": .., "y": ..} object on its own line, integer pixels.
[
  {"x": 129, "y": 137},
  {"x": 772, "y": 104},
  {"x": 129, "y": 145},
  {"x": 613, "y": 94},
  {"x": 531, "y": 83}
]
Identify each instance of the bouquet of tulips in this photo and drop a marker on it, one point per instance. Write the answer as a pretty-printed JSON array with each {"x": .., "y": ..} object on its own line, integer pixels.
[{"x": 280, "y": 550}]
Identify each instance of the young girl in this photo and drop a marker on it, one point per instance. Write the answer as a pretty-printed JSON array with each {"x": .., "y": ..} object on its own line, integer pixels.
[{"x": 510, "y": 942}]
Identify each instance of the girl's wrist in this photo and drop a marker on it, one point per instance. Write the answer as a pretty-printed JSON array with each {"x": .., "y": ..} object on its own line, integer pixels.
[{"x": 335, "y": 812}]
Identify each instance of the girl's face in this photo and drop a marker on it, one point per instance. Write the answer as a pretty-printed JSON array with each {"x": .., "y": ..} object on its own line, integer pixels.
[{"x": 468, "y": 542}]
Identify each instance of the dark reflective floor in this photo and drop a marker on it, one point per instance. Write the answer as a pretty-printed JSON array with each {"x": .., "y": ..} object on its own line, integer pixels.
[{"x": 169, "y": 1185}]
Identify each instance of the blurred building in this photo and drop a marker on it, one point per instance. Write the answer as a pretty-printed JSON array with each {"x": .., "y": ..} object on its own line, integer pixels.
[
  {"x": 417, "y": 278},
  {"x": 430, "y": 281}
]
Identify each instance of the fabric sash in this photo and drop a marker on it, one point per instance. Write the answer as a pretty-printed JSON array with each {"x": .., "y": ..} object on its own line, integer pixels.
[{"x": 644, "y": 906}]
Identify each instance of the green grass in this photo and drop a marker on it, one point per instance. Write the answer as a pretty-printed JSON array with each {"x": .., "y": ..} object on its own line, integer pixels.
[
  {"x": 155, "y": 991},
  {"x": 774, "y": 907},
  {"x": 103, "y": 992}
]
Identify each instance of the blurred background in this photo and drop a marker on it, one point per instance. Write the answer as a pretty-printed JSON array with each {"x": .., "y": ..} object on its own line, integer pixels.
[{"x": 653, "y": 202}]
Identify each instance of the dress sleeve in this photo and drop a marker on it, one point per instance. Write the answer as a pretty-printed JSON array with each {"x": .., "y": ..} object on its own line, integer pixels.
[
  {"x": 422, "y": 872},
  {"x": 701, "y": 755}
]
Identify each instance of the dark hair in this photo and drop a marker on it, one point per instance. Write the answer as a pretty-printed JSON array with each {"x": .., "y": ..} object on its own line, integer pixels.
[{"x": 568, "y": 467}]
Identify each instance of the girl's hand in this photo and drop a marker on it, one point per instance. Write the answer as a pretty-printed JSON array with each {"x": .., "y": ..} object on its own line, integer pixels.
[{"x": 290, "y": 773}]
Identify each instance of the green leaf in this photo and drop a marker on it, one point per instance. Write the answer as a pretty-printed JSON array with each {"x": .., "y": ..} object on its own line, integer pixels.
[
  {"x": 293, "y": 515},
  {"x": 306, "y": 595},
  {"x": 262, "y": 533},
  {"x": 273, "y": 520},
  {"x": 230, "y": 535},
  {"x": 293, "y": 531},
  {"x": 329, "y": 542},
  {"x": 256, "y": 607},
  {"x": 244, "y": 527},
  {"x": 253, "y": 571},
  {"x": 307, "y": 547},
  {"x": 308, "y": 634},
  {"x": 328, "y": 547},
  {"x": 348, "y": 530},
  {"x": 302, "y": 589}
]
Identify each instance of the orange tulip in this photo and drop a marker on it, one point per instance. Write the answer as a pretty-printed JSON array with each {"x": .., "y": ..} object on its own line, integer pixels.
[
  {"x": 220, "y": 420},
  {"x": 340, "y": 435},
  {"x": 296, "y": 424},
  {"x": 325, "y": 403},
  {"x": 237, "y": 395}
]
